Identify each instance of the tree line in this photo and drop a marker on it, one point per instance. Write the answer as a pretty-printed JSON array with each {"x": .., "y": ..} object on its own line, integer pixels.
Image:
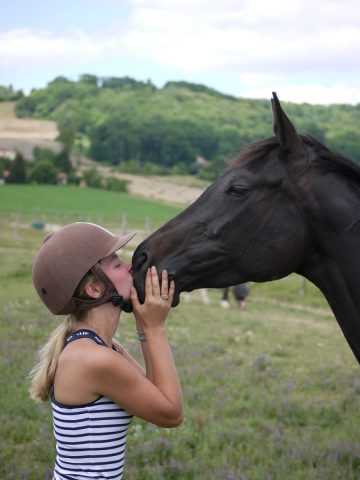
[
  {"x": 136, "y": 126},
  {"x": 53, "y": 168}
]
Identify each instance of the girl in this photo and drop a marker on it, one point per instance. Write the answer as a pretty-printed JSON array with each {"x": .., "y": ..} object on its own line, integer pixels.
[{"x": 95, "y": 386}]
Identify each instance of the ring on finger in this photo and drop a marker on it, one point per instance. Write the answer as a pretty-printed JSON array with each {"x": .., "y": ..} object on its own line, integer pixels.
[{"x": 164, "y": 296}]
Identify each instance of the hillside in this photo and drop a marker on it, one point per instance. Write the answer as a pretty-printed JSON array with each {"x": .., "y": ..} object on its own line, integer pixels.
[
  {"x": 181, "y": 129},
  {"x": 165, "y": 130},
  {"x": 23, "y": 134}
]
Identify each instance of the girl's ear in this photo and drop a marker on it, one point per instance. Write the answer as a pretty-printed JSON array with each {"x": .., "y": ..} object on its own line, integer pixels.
[{"x": 94, "y": 289}]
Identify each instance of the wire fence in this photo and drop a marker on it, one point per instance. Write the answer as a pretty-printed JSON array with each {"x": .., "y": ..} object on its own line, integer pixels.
[{"x": 14, "y": 222}]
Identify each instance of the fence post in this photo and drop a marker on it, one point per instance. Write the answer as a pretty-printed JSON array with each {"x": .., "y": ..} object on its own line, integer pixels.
[
  {"x": 124, "y": 224},
  {"x": 147, "y": 229}
]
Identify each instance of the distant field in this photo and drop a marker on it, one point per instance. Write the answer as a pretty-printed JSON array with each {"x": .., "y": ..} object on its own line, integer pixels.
[
  {"x": 64, "y": 204},
  {"x": 12, "y": 127}
]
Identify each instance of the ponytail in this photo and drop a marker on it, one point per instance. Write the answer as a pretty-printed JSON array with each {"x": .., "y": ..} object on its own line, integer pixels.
[{"x": 42, "y": 375}]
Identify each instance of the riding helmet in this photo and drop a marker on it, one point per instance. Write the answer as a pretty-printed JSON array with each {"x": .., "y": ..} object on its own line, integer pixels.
[{"x": 65, "y": 257}]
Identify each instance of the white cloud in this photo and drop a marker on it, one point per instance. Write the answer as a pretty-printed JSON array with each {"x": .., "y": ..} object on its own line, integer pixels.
[
  {"x": 286, "y": 40},
  {"x": 258, "y": 86},
  {"x": 25, "y": 45}
]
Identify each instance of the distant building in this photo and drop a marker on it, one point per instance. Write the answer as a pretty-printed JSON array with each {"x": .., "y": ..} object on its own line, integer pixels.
[
  {"x": 7, "y": 153},
  {"x": 62, "y": 178},
  {"x": 3, "y": 176},
  {"x": 201, "y": 161}
]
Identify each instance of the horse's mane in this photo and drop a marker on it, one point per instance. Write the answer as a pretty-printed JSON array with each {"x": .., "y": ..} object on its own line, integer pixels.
[{"x": 326, "y": 160}]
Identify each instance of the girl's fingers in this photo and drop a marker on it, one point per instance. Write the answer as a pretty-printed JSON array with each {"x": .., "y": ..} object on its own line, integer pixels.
[
  {"x": 164, "y": 283},
  {"x": 134, "y": 297},
  {"x": 148, "y": 283},
  {"x": 171, "y": 291},
  {"x": 155, "y": 281}
]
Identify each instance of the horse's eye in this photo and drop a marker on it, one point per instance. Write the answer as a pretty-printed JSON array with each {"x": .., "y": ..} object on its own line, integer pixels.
[{"x": 237, "y": 190}]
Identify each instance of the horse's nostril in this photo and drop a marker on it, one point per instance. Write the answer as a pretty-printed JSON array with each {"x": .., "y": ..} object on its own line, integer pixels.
[{"x": 141, "y": 261}]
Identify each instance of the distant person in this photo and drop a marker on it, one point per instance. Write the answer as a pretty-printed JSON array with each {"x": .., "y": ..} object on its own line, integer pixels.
[
  {"x": 95, "y": 386},
  {"x": 240, "y": 292}
]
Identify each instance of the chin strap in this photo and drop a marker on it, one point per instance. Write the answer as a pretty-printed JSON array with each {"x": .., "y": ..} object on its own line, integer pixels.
[
  {"x": 118, "y": 301},
  {"x": 110, "y": 294}
]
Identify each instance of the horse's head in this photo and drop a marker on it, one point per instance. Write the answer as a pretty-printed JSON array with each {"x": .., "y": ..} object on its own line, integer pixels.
[{"x": 247, "y": 225}]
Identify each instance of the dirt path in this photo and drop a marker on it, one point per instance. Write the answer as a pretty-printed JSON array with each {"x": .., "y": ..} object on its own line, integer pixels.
[{"x": 164, "y": 188}]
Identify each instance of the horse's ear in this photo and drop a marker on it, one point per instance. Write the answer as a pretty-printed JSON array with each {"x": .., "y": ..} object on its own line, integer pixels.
[{"x": 290, "y": 142}]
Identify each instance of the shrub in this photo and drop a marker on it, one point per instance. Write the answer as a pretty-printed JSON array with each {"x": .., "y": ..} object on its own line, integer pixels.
[
  {"x": 116, "y": 184},
  {"x": 92, "y": 178},
  {"x": 44, "y": 171}
]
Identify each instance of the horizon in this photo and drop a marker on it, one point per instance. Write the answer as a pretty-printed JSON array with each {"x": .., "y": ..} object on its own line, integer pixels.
[{"x": 145, "y": 80}]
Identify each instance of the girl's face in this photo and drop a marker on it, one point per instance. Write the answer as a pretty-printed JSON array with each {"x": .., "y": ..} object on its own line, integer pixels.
[{"x": 119, "y": 273}]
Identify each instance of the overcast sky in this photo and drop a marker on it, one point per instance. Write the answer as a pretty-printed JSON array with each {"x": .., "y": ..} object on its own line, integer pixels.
[{"x": 305, "y": 50}]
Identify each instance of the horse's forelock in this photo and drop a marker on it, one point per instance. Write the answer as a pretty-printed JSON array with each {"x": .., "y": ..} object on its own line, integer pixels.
[{"x": 254, "y": 151}]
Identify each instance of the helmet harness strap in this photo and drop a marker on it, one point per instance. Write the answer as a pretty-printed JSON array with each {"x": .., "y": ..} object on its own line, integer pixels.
[{"x": 110, "y": 294}]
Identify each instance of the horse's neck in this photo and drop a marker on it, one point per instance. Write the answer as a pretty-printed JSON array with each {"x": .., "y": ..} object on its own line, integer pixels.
[{"x": 337, "y": 275}]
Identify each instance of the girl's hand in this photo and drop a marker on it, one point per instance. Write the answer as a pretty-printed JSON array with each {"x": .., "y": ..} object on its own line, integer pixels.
[{"x": 158, "y": 300}]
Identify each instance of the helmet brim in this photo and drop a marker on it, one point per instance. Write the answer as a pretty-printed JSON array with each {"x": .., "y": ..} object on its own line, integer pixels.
[{"x": 120, "y": 242}]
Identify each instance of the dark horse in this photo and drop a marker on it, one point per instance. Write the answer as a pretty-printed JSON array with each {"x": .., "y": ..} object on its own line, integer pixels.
[{"x": 287, "y": 204}]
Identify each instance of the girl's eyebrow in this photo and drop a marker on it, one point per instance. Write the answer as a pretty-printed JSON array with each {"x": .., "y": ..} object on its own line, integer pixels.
[{"x": 116, "y": 258}]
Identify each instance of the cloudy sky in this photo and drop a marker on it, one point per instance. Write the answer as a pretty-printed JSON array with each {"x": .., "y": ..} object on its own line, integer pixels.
[{"x": 306, "y": 50}]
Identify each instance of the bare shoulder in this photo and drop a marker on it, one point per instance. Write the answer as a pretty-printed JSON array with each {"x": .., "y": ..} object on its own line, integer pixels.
[
  {"x": 89, "y": 353},
  {"x": 80, "y": 368}
]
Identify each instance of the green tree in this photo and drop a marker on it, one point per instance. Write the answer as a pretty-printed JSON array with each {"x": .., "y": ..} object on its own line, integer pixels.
[
  {"x": 93, "y": 178},
  {"x": 89, "y": 78},
  {"x": 66, "y": 137},
  {"x": 44, "y": 171},
  {"x": 116, "y": 184},
  {"x": 115, "y": 141},
  {"x": 43, "y": 154},
  {"x": 214, "y": 170},
  {"x": 9, "y": 94},
  {"x": 62, "y": 161},
  {"x": 17, "y": 170}
]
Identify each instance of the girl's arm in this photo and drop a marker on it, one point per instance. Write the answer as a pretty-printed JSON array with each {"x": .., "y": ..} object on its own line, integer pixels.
[
  {"x": 157, "y": 397},
  {"x": 120, "y": 349}
]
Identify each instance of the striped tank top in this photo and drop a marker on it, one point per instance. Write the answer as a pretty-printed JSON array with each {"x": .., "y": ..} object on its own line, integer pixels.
[{"x": 90, "y": 438}]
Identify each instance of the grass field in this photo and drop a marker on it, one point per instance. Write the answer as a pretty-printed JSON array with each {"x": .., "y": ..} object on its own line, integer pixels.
[
  {"x": 271, "y": 393},
  {"x": 65, "y": 204}
]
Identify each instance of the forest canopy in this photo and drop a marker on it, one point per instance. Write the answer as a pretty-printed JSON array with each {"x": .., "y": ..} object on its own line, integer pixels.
[{"x": 126, "y": 122}]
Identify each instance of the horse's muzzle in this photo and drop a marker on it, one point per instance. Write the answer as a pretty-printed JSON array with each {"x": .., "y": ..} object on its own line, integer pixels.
[{"x": 140, "y": 263}]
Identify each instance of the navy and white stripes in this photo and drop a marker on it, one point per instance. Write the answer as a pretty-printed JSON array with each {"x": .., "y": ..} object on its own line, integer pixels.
[{"x": 90, "y": 438}]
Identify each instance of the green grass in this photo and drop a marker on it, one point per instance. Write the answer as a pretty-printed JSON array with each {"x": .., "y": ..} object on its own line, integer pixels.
[
  {"x": 271, "y": 392},
  {"x": 65, "y": 204}
]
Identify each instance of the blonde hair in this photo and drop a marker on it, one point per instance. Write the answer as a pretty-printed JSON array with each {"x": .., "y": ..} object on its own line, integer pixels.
[{"x": 42, "y": 375}]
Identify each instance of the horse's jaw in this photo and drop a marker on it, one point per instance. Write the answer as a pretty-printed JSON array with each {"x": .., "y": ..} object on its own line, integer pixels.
[{"x": 191, "y": 270}]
